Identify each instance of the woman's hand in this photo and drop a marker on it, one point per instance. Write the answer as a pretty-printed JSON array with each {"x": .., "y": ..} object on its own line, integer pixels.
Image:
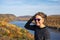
[{"x": 32, "y": 18}]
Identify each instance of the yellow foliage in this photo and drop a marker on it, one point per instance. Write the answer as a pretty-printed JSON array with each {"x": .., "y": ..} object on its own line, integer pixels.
[{"x": 13, "y": 31}]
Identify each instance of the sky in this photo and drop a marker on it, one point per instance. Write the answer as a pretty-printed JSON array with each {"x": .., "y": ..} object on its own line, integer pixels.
[{"x": 29, "y": 7}]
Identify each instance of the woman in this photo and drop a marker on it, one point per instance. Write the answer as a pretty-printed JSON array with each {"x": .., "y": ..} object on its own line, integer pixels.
[{"x": 41, "y": 32}]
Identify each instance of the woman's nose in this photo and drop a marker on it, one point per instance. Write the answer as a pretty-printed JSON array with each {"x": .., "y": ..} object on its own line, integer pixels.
[{"x": 37, "y": 21}]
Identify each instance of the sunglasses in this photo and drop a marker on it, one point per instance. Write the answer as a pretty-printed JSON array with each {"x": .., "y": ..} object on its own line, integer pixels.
[{"x": 37, "y": 19}]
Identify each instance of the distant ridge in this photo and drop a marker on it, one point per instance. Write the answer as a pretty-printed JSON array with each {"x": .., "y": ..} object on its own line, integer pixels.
[
  {"x": 23, "y": 18},
  {"x": 7, "y": 17}
]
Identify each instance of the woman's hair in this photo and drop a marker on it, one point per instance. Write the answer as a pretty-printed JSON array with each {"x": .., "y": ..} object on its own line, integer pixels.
[{"x": 41, "y": 14}]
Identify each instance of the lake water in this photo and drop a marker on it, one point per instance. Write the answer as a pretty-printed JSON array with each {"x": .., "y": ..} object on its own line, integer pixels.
[{"x": 54, "y": 34}]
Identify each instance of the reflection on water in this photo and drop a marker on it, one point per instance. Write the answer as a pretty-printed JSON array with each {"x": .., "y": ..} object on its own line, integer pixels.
[{"x": 54, "y": 34}]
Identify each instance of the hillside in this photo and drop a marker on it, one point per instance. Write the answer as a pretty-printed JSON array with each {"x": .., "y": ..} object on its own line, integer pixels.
[
  {"x": 12, "y": 32},
  {"x": 23, "y": 18},
  {"x": 53, "y": 20},
  {"x": 7, "y": 17}
]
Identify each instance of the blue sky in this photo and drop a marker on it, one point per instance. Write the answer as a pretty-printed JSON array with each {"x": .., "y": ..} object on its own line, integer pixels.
[{"x": 29, "y": 7}]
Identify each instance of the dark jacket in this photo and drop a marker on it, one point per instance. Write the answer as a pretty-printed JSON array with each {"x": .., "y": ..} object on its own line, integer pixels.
[{"x": 40, "y": 33}]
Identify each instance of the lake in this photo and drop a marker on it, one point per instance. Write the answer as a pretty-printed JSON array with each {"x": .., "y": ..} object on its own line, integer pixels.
[{"x": 54, "y": 34}]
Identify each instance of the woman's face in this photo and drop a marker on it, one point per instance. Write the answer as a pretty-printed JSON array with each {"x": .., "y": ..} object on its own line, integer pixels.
[{"x": 39, "y": 20}]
